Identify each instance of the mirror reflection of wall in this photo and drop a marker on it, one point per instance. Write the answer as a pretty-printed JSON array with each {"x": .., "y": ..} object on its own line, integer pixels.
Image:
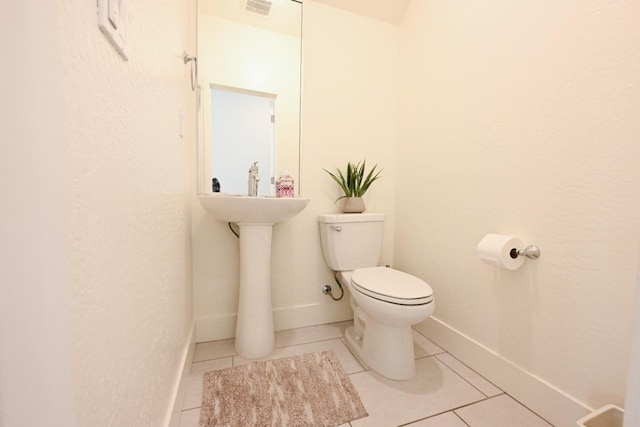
[{"x": 250, "y": 54}]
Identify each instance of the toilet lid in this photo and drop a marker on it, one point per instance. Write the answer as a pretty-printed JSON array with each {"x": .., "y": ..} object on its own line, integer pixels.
[{"x": 391, "y": 285}]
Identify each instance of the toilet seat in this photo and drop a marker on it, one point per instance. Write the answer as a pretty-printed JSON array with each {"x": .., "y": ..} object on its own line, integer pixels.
[{"x": 393, "y": 286}]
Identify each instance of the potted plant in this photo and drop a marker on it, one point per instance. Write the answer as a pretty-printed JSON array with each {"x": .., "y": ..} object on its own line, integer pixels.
[{"x": 354, "y": 183}]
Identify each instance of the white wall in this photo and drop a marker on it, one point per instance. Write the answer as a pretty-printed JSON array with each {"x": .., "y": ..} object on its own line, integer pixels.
[
  {"x": 347, "y": 89},
  {"x": 97, "y": 301},
  {"x": 35, "y": 325},
  {"x": 522, "y": 119}
]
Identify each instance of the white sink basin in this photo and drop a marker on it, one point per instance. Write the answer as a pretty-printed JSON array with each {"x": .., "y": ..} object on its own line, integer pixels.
[{"x": 255, "y": 210}]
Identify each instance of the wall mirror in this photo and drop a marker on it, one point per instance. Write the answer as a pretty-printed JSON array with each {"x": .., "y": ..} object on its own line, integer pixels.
[{"x": 249, "y": 76}]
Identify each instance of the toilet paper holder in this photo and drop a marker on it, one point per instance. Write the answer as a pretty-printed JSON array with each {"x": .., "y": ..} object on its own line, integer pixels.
[{"x": 531, "y": 252}]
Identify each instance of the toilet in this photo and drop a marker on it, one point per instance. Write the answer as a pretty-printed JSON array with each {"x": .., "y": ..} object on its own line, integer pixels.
[{"x": 385, "y": 302}]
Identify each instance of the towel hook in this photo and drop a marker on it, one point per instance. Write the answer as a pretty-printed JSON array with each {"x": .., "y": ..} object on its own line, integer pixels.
[{"x": 194, "y": 68}]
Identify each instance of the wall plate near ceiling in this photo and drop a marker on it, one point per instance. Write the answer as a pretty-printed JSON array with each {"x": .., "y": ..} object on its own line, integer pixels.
[{"x": 112, "y": 20}]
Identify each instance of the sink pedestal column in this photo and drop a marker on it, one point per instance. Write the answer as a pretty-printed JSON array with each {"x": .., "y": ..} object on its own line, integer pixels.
[
  {"x": 256, "y": 217},
  {"x": 254, "y": 326}
]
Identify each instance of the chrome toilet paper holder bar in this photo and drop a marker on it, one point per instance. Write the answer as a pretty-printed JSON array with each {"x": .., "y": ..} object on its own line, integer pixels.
[{"x": 531, "y": 252}]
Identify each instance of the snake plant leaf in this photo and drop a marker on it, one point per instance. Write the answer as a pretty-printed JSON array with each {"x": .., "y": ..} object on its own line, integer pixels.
[{"x": 354, "y": 182}]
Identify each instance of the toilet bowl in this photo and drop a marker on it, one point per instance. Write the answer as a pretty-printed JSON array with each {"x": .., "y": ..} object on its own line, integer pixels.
[
  {"x": 385, "y": 302},
  {"x": 382, "y": 336}
]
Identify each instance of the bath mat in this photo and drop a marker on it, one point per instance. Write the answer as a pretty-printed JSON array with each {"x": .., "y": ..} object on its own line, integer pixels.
[{"x": 307, "y": 390}]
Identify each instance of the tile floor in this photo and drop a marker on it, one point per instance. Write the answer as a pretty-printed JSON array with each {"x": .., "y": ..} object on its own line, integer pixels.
[{"x": 444, "y": 393}]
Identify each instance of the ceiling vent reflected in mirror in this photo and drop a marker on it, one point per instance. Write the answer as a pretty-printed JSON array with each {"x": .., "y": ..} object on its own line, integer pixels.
[{"x": 260, "y": 7}]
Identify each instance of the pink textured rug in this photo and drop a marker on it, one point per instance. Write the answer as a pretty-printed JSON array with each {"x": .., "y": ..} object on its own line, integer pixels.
[{"x": 307, "y": 390}]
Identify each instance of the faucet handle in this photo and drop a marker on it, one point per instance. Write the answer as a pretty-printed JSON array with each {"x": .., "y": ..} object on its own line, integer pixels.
[{"x": 254, "y": 177}]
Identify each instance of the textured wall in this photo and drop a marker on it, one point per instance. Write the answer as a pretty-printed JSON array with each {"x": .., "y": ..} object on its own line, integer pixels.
[
  {"x": 35, "y": 366},
  {"x": 523, "y": 119},
  {"x": 349, "y": 113},
  {"x": 96, "y": 303},
  {"x": 128, "y": 183}
]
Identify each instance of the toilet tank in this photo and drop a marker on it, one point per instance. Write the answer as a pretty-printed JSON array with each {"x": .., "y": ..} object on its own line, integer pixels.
[{"x": 351, "y": 241}]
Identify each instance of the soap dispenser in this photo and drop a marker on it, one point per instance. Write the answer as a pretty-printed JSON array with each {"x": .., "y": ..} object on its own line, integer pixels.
[{"x": 284, "y": 185}]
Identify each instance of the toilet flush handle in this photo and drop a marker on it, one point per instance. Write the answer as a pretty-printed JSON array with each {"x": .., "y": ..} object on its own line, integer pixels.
[{"x": 335, "y": 227}]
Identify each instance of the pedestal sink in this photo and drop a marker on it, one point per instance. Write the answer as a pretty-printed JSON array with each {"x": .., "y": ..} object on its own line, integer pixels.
[{"x": 256, "y": 217}]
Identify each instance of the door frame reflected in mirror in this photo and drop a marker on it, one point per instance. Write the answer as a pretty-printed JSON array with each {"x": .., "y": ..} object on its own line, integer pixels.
[{"x": 244, "y": 120}]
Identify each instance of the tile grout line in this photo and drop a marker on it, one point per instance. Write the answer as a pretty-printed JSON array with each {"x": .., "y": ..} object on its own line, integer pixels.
[
  {"x": 494, "y": 397},
  {"x": 442, "y": 413},
  {"x": 340, "y": 339},
  {"x": 275, "y": 348},
  {"x": 364, "y": 367},
  {"x": 469, "y": 368},
  {"x": 430, "y": 355},
  {"x": 451, "y": 409},
  {"x": 466, "y": 380},
  {"x": 460, "y": 418},
  {"x": 310, "y": 342},
  {"x": 531, "y": 410},
  {"x": 502, "y": 392},
  {"x": 457, "y": 407}
]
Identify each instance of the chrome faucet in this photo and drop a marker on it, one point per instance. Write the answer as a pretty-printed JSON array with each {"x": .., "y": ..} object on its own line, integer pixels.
[{"x": 254, "y": 179}]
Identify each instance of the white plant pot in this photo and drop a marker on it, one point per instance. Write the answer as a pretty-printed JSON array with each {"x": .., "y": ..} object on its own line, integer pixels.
[{"x": 352, "y": 205}]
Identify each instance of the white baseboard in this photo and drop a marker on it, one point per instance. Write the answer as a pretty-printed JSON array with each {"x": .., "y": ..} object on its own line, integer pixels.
[
  {"x": 180, "y": 384},
  {"x": 222, "y": 327},
  {"x": 552, "y": 404},
  {"x": 215, "y": 327}
]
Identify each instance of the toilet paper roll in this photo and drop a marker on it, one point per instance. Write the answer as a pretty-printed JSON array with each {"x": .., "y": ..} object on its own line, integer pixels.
[{"x": 495, "y": 249}]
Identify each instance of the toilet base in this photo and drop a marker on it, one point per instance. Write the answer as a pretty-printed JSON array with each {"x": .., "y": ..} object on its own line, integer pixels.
[{"x": 388, "y": 350}]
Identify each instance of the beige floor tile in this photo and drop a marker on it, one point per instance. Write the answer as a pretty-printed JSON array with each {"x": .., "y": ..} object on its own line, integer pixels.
[
  {"x": 500, "y": 411},
  {"x": 199, "y": 368},
  {"x": 193, "y": 396},
  {"x": 214, "y": 350},
  {"x": 448, "y": 419},
  {"x": 470, "y": 375},
  {"x": 433, "y": 390},
  {"x": 349, "y": 363},
  {"x": 423, "y": 346},
  {"x": 190, "y": 418},
  {"x": 311, "y": 334}
]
